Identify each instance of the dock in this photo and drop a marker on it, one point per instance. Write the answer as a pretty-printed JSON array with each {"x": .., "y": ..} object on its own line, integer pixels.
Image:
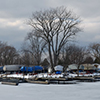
[
  {"x": 16, "y": 79},
  {"x": 37, "y": 82},
  {"x": 85, "y": 78},
  {"x": 10, "y": 81}
]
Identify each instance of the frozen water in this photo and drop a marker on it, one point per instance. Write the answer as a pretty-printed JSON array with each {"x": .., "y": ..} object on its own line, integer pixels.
[{"x": 27, "y": 91}]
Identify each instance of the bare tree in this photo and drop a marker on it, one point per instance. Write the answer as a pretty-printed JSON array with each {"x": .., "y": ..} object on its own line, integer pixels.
[
  {"x": 2, "y": 45},
  {"x": 8, "y": 54},
  {"x": 74, "y": 55},
  {"x": 94, "y": 49},
  {"x": 26, "y": 58},
  {"x": 56, "y": 26},
  {"x": 35, "y": 46},
  {"x": 89, "y": 60}
]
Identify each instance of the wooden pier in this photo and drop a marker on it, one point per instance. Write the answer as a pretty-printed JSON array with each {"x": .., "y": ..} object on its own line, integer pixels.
[
  {"x": 10, "y": 83},
  {"x": 37, "y": 82},
  {"x": 85, "y": 79},
  {"x": 48, "y": 80}
]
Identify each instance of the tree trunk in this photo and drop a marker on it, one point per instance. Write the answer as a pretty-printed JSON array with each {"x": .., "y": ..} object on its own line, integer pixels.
[
  {"x": 50, "y": 56},
  {"x": 55, "y": 59},
  {"x": 78, "y": 70}
]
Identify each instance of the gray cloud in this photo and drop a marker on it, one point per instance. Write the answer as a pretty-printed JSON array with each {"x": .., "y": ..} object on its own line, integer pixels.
[{"x": 13, "y": 13}]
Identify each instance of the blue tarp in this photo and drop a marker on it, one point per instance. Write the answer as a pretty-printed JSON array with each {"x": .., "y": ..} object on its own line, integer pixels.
[
  {"x": 31, "y": 69},
  {"x": 37, "y": 68},
  {"x": 80, "y": 70},
  {"x": 1, "y": 68},
  {"x": 58, "y": 72},
  {"x": 26, "y": 69}
]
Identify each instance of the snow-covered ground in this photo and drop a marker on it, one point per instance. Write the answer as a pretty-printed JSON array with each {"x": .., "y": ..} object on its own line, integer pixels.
[{"x": 27, "y": 91}]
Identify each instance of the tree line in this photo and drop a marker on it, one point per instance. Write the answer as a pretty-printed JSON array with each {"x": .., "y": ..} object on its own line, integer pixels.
[{"x": 49, "y": 43}]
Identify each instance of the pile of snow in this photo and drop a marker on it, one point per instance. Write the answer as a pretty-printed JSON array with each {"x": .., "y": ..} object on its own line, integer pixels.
[
  {"x": 37, "y": 75},
  {"x": 45, "y": 75},
  {"x": 50, "y": 75},
  {"x": 20, "y": 76}
]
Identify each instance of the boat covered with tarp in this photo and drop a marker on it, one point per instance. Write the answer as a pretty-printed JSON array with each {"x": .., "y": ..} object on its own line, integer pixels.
[
  {"x": 1, "y": 68},
  {"x": 31, "y": 69},
  {"x": 11, "y": 68}
]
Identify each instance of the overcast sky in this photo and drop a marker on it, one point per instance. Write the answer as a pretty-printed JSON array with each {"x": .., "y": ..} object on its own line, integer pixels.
[{"x": 14, "y": 13}]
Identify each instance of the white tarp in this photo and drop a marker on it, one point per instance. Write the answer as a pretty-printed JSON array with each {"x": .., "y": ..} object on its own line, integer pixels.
[
  {"x": 74, "y": 67},
  {"x": 58, "y": 68},
  {"x": 11, "y": 67}
]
